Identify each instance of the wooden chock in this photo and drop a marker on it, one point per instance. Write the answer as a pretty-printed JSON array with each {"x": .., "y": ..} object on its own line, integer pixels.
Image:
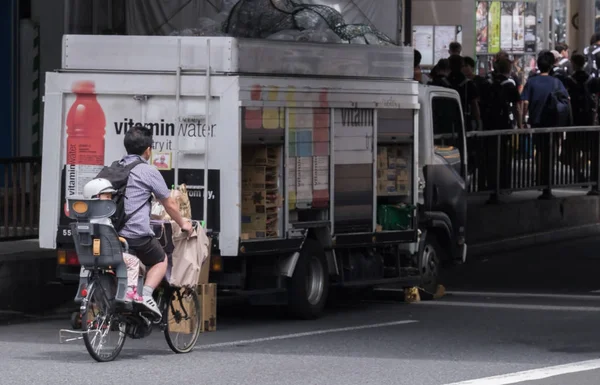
[{"x": 440, "y": 292}]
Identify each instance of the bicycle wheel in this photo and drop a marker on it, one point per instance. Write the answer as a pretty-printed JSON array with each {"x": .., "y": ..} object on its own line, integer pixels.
[
  {"x": 99, "y": 322},
  {"x": 183, "y": 320}
]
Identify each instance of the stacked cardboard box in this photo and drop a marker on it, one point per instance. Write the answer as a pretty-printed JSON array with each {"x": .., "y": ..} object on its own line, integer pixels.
[
  {"x": 261, "y": 198},
  {"x": 208, "y": 303},
  {"x": 394, "y": 163}
]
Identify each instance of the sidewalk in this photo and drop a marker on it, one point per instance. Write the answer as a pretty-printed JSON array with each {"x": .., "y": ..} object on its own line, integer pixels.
[
  {"x": 26, "y": 273},
  {"x": 521, "y": 220},
  {"x": 24, "y": 250}
]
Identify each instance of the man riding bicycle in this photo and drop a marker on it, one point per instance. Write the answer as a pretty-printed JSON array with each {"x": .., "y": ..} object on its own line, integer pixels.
[{"x": 143, "y": 181}]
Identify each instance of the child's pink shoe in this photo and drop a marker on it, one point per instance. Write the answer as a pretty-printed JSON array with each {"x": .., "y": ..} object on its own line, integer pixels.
[{"x": 132, "y": 295}]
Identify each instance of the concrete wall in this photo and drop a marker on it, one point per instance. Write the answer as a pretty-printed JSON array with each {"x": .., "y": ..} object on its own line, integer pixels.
[
  {"x": 493, "y": 222},
  {"x": 448, "y": 12}
]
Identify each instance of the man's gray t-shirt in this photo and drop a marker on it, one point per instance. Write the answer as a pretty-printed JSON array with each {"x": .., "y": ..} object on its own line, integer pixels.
[{"x": 143, "y": 181}]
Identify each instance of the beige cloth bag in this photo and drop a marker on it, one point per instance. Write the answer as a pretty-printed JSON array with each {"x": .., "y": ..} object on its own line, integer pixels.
[
  {"x": 182, "y": 198},
  {"x": 180, "y": 194},
  {"x": 191, "y": 250}
]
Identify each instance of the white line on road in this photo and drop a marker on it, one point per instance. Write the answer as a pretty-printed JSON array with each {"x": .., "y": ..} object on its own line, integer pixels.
[
  {"x": 535, "y": 374},
  {"x": 305, "y": 334},
  {"x": 589, "y": 297},
  {"x": 510, "y": 306}
]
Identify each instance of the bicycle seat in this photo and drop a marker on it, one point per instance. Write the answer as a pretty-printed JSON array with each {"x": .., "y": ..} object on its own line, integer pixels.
[{"x": 96, "y": 244}]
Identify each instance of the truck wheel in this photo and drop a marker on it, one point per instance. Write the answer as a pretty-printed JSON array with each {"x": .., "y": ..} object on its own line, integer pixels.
[
  {"x": 309, "y": 286},
  {"x": 431, "y": 257}
]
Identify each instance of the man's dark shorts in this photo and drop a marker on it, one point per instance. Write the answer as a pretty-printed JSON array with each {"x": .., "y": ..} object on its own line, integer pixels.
[{"x": 147, "y": 249}]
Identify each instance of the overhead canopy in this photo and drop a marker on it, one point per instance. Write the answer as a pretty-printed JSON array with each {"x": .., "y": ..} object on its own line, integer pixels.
[{"x": 158, "y": 17}]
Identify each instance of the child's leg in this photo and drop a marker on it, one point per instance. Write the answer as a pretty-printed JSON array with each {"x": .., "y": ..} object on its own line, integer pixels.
[
  {"x": 133, "y": 268},
  {"x": 133, "y": 271}
]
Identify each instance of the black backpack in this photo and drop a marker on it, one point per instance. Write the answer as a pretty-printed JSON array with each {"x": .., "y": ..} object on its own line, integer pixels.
[
  {"x": 464, "y": 97},
  {"x": 561, "y": 73},
  {"x": 498, "y": 112},
  {"x": 591, "y": 66},
  {"x": 118, "y": 175},
  {"x": 583, "y": 102},
  {"x": 557, "y": 108}
]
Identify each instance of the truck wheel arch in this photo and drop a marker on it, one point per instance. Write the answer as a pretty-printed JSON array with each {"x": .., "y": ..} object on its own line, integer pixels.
[{"x": 440, "y": 225}]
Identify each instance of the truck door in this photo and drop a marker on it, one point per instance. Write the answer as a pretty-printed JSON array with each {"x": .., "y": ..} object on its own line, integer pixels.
[{"x": 445, "y": 189}]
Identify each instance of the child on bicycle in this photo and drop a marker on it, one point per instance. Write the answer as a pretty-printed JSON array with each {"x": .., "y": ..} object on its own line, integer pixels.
[{"x": 102, "y": 189}]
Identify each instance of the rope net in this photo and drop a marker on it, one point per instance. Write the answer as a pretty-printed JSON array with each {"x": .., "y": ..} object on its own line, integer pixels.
[{"x": 287, "y": 20}]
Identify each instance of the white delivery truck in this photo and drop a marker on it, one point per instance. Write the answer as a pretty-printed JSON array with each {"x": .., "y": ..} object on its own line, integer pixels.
[{"x": 319, "y": 165}]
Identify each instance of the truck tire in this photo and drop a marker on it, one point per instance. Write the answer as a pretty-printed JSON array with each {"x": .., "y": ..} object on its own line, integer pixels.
[
  {"x": 431, "y": 257},
  {"x": 309, "y": 286}
]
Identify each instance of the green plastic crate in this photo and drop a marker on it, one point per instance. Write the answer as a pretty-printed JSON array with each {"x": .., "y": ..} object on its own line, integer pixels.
[{"x": 394, "y": 217}]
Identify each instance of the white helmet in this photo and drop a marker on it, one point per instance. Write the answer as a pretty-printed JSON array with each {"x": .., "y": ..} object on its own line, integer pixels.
[{"x": 97, "y": 186}]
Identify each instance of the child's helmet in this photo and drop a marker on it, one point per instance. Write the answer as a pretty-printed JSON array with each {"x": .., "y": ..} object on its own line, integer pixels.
[{"x": 95, "y": 187}]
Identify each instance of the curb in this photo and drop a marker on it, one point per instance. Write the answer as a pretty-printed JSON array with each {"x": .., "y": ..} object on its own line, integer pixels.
[{"x": 535, "y": 239}]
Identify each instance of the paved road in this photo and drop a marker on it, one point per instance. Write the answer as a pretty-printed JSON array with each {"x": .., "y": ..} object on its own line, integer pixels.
[{"x": 506, "y": 327}]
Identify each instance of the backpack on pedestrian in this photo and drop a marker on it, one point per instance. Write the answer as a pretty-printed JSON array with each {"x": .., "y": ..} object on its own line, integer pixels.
[
  {"x": 498, "y": 111},
  {"x": 591, "y": 66},
  {"x": 583, "y": 102},
  {"x": 463, "y": 100},
  {"x": 557, "y": 108},
  {"x": 118, "y": 175},
  {"x": 561, "y": 72}
]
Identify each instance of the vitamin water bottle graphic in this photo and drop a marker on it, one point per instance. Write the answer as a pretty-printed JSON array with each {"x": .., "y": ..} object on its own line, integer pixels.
[{"x": 86, "y": 127}]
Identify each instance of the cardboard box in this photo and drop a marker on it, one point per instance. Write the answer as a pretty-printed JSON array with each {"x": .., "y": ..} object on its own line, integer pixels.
[
  {"x": 178, "y": 322},
  {"x": 258, "y": 201},
  {"x": 386, "y": 187},
  {"x": 208, "y": 303},
  {"x": 259, "y": 178},
  {"x": 260, "y": 155},
  {"x": 382, "y": 162},
  {"x": 402, "y": 174},
  {"x": 260, "y": 225},
  {"x": 402, "y": 188},
  {"x": 390, "y": 175}
]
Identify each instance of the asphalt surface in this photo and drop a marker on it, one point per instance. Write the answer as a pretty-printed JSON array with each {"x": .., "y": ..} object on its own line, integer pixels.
[{"x": 522, "y": 311}]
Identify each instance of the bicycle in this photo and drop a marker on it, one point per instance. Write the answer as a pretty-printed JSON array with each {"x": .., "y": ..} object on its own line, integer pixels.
[{"x": 102, "y": 292}]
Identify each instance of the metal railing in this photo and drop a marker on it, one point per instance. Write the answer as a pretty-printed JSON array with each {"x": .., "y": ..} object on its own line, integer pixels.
[
  {"x": 20, "y": 183},
  {"x": 534, "y": 159}
]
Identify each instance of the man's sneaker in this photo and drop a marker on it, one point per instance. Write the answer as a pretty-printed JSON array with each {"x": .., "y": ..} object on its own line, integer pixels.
[{"x": 150, "y": 303}]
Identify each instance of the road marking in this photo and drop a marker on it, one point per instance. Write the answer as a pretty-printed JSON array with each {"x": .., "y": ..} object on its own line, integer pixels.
[
  {"x": 534, "y": 374},
  {"x": 509, "y": 306},
  {"x": 305, "y": 334},
  {"x": 586, "y": 297}
]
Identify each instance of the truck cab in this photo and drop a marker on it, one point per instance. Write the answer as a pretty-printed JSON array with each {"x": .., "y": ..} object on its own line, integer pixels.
[{"x": 444, "y": 162}]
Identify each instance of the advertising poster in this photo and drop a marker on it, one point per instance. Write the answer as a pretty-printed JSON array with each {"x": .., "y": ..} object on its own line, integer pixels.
[
  {"x": 423, "y": 42},
  {"x": 530, "y": 23},
  {"x": 95, "y": 128},
  {"x": 494, "y": 27},
  {"x": 481, "y": 27},
  {"x": 506, "y": 26},
  {"x": 518, "y": 32},
  {"x": 162, "y": 160},
  {"x": 444, "y": 35}
]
